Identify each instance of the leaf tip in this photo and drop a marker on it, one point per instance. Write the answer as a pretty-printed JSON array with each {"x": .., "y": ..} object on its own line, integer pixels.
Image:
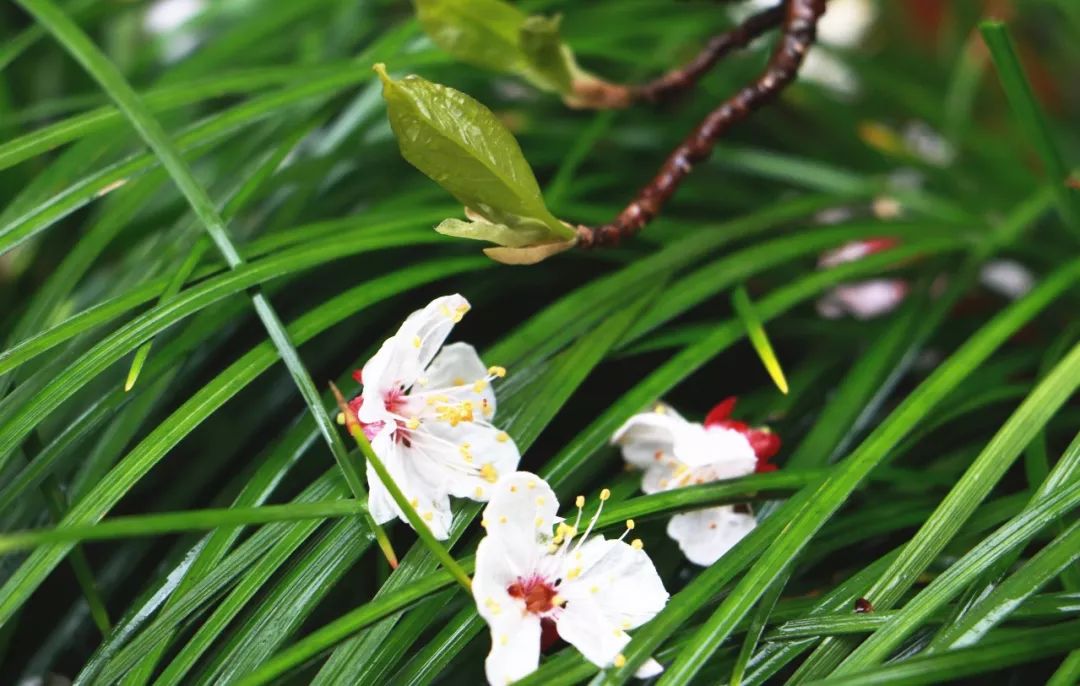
[{"x": 380, "y": 69}]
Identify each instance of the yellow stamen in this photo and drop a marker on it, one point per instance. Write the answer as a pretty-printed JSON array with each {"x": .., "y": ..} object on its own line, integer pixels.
[
  {"x": 630, "y": 524},
  {"x": 428, "y": 516},
  {"x": 580, "y": 501},
  {"x": 620, "y": 660},
  {"x": 489, "y": 474},
  {"x": 412, "y": 423},
  {"x": 416, "y": 342},
  {"x": 637, "y": 544},
  {"x": 502, "y": 437},
  {"x": 479, "y": 385},
  {"x": 605, "y": 494},
  {"x": 341, "y": 418},
  {"x": 502, "y": 519},
  {"x": 497, "y": 372},
  {"x": 479, "y": 492}
]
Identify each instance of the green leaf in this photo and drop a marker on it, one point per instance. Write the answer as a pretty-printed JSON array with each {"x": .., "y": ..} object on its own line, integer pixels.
[
  {"x": 462, "y": 146},
  {"x": 550, "y": 64},
  {"x": 480, "y": 229},
  {"x": 479, "y": 32}
]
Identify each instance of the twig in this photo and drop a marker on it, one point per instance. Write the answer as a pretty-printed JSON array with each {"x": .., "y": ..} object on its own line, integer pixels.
[
  {"x": 797, "y": 35},
  {"x": 687, "y": 76},
  {"x": 602, "y": 95}
]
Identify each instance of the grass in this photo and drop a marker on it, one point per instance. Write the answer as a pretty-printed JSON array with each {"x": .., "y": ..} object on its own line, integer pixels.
[{"x": 191, "y": 247}]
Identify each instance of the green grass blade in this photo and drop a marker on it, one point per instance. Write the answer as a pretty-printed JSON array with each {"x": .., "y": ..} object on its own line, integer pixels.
[
  {"x": 172, "y": 522},
  {"x": 824, "y": 500},
  {"x": 755, "y": 332},
  {"x": 1030, "y": 118}
]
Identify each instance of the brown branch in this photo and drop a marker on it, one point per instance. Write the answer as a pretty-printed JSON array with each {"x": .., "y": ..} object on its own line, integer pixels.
[
  {"x": 603, "y": 95},
  {"x": 800, "y": 19},
  {"x": 687, "y": 76}
]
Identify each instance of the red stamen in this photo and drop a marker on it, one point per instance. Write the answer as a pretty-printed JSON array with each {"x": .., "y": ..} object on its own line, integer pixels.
[{"x": 358, "y": 375}]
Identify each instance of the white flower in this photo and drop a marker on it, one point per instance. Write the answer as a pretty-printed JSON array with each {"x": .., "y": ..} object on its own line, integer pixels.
[
  {"x": 168, "y": 19},
  {"x": 1007, "y": 277},
  {"x": 592, "y": 589},
  {"x": 427, "y": 410},
  {"x": 865, "y": 299},
  {"x": 674, "y": 453}
]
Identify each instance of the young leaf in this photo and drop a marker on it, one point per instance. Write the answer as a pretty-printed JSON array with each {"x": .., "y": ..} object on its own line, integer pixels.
[
  {"x": 463, "y": 147},
  {"x": 479, "y": 32},
  {"x": 480, "y": 229},
  {"x": 529, "y": 255},
  {"x": 550, "y": 64}
]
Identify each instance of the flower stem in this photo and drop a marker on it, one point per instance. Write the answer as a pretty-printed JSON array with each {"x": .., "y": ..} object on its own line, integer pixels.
[{"x": 417, "y": 522}]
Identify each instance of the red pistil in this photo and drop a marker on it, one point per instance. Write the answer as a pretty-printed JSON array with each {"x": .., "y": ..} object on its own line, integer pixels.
[
  {"x": 538, "y": 595},
  {"x": 536, "y": 592},
  {"x": 394, "y": 400},
  {"x": 764, "y": 442}
]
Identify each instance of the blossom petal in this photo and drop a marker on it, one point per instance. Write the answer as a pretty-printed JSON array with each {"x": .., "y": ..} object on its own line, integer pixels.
[
  {"x": 645, "y": 436},
  {"x": 584, "y": 625},
  {"x": 659, "y": 477},
  {"x": 515, "y": 634},
  {"x": 519, "y": 518},
  {"x": 618, "y": 578},
  {"x": 515, "y": 650},
  {"x": 471, "y": 457},
  {"x": 863, "y": 300},
  {"x": 459, "y": 365},
  {"x": 380, "y": 504},
  {"x": 403, "y": 357},
  {"x": 417, "y": 480},
  {"x": 704, "y": 536},
  {"x": 725, "y": 452}
]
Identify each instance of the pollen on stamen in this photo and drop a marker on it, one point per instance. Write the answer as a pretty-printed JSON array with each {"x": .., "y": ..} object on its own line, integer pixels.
[
  {"x": 479, "y": 385},
  {"x": 428, "y": 516},
  {"x": 458, "y": 381},
  {"x": 637, "y": 544},
  {"x": 630, "y": 524},
  {"x": 412, "y": 423},
  {"x": 502, "y": 519},
  {"x": 502, "y": 437},
  {"x": 620, "y": 660},
  {"x": 483, "y": 522},
  {"x": 416, "y": 342},
  {"x": 540, "y": 501},
  {"x": 341, "y": 418},
  {"x": 539, "y": 521},
  {"x": 489, "y": 474},
  {"x": 580, "y": 501},
  {"x": 660, "y": 409},
  {"x": 605, "y": 494},
  {"x": 497, "y": 372}
]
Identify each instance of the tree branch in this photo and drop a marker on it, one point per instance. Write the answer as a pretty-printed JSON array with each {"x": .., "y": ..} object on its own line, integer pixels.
[{"x": 798, "y": 30}]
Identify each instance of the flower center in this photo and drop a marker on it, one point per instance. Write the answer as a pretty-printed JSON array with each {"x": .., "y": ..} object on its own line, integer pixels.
[{"x": 537, "y": 592}]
